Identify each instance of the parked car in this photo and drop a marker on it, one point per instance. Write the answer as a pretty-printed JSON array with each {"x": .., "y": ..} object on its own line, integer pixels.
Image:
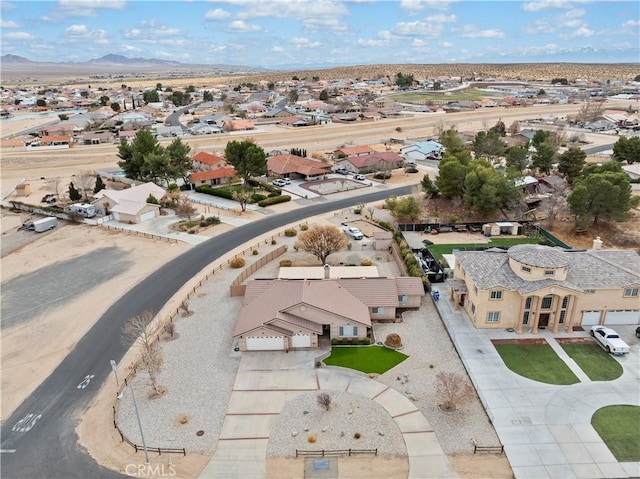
[
  {"x": 638, "y": 332},
  {"x": 287, "y": 181},
  {"x": 354, "y": 232},
  {"x": 358, "y": 177},
  {"x": 609, "y": 340},
  {"x": 342, "y": 171},
  {"x": 279, "y": 183}
]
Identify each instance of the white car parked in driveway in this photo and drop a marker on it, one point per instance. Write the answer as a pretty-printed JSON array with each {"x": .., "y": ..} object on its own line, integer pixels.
[
  {"x": 354, "y": 232},
  {"x": 609, "y": 340}
]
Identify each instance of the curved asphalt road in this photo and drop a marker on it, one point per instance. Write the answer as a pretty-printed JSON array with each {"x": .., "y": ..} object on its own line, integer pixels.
[{"x": 39, "y": 438}]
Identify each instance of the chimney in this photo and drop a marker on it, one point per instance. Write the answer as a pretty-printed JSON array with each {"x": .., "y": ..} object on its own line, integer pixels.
[
  {"x": 327, "y": 269},
  {"x": 597, "y": 243}
]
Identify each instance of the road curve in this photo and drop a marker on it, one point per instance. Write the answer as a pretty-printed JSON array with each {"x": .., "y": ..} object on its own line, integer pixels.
[{"x": 39, "y": 439}]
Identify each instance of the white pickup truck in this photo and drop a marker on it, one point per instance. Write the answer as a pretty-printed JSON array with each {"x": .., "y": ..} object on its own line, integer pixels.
[
  {"x": 354, "y": 232},
  {"x": 609, "y": 340}
]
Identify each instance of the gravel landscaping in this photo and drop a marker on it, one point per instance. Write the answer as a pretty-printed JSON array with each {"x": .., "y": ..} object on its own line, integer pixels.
[{"x": 200, "y": 367}]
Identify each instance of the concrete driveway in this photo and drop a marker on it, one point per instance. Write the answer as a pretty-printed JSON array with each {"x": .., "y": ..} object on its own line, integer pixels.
[{"x": 266, "y": 381}]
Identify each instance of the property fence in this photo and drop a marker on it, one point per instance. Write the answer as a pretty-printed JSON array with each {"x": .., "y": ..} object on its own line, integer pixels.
[
  {"x": 138, "y": 233},
  {"x": 210, "y": 203},
  {"x": 541, "y": 231},
  {"x": 159, "y": 450},
  {"x": 491, "y": 449},
  {"x": 237, "y": 288},
  {"x": 335, "y": 452}
]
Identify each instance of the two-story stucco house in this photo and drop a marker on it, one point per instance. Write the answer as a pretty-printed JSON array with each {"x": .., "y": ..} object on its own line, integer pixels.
[{"x": 529, "y": 287}]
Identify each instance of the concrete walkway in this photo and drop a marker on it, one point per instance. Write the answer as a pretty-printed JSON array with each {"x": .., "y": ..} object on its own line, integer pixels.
[
  {"x": 266, "y": 381},
  {"x": 545, "y": 429}
]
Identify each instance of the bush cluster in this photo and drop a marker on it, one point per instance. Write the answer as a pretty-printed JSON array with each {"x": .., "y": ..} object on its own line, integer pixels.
[
  {"x": 220, "y": 192},
  {"x": 350, "y": 341},
  {"x": 237, "y": 262},
  {"x": 304, "y": 227},
  {"x": 366, "y": 262},
  {"x": 285, "y": 263},
  {"x": 274, "y": 200},
  {"x": 210, "y": 220},
  {"x": 290, "y": 232}
]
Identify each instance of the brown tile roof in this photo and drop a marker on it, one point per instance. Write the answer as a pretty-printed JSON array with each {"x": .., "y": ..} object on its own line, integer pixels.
[
  {"x": 267, "y": 300},
  {"x": 208, "y": 158},
  {"x": 355, "y": 150},
  {"x": 53, "y": 138},
  {"x": 373, "y": 159},
  {"x": 373, "y": 291},
  {"x": 286, "y": 164},
  {"x": 237, "y": 125},
  {"x": 224, "y": 172}
]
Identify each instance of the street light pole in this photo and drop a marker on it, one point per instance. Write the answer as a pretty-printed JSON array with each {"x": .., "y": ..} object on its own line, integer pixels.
[{"x": 144, "y": 444}]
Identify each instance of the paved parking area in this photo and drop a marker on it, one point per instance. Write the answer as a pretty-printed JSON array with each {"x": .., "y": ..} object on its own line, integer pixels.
[{"x": 545, "y": 429}]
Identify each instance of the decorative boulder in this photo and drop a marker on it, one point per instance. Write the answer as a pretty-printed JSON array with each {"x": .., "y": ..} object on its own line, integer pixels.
[{"x": 393, "y": 341}]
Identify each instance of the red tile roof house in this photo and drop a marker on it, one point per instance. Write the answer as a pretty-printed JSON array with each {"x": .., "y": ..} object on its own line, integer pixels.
[
  {"x": 281, "y": 315},
  {"x": 203, "y": 161},
  {"x": 238, "y": 125},
  {"x": 219, "y": 176},
  {"x": 353, "y": 151},
  {"x": 293, "y": 166},
  {"x": 385, "y": 160},
  {"x": 130, "y": 205}
]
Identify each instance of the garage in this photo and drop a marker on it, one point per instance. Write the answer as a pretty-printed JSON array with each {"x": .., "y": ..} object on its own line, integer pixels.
[
  {"x": 148, "y": 215},
  {"x": 265, "y": 343},
  {"x": 301, "y": 340},
  {"x": 622, "y": 317},
  {"x": 589, "y": 318}
]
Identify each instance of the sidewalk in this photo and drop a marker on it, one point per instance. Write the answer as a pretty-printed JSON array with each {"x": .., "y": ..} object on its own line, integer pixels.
[{"x": 545, "y": 429}]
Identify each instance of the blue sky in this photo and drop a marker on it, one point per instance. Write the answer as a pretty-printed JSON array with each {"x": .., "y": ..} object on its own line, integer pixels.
[{"x": 302, "y": 34}]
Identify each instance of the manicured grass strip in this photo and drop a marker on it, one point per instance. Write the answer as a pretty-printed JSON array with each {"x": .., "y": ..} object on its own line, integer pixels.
[
  {"x": 536, "y": 361},
  {"x": 596, "y": 363},
  {"x": 437, "y": 250},
  {"x": 371, "y": 359},
  {"x": 619, "y": 428}
]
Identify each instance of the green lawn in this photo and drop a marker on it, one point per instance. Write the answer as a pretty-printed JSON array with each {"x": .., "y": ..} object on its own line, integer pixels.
[
  {"x": 619, "y": 428},
  {"x": 437, "y": 250},
  {"x": 536, "y": 361},
  {"x": 596, "y": 363},
  {"x": 371, "y": 359}
]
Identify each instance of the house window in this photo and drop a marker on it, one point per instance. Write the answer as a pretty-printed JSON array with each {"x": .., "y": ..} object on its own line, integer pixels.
[
  {"x": 547, "y": 301},
  {"x": 349, "y": 331},
  {"x": 565, "y": 302},
  {"x": 525, "y": 318},
  {"x": 631, "y": 292},
  {"x": 563, "y": 314},
  {"x": 377, "y": 310},
  {"x": 493, "y": 316},
  {"x": 549, "y": 272},
  {"x": 403, "y": 298},
  {"x": 589, "y": 291},
  {"x": 527, "y": 302},
  {"x": 496, "y": 294},
  {"x": 526, "y": 269}
]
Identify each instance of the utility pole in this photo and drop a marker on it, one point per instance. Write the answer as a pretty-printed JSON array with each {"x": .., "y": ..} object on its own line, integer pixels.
[{"x": 144, "y": 444}]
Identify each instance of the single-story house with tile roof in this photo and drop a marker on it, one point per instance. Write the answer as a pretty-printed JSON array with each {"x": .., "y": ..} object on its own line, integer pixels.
[
  {"x": 277, "y": 113},
  {"x": 371, "y": 162},
  {"x": 423, "y": 150},
  {"x": 218, "y": 176},
  {"x": 238, "y": 125},
  {"x": 529, "y": 287},
  {"x": 353, "y": 151},
  {"x": 295, "y": 314},
  {"x": 294, "y": 121},
  {"x": 97, "y": 138},
  {"x": 292, "y": 166},
  {"x": 130, "y": 205}
]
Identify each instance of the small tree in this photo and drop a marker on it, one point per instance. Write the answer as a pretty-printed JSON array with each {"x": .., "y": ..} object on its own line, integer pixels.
[
  {"x": 321, "y": 241},
  {"x": 74, "y": 194},
  {"x": 184, "y": 208},
  {"x": 242, "y": 196},
  {"x": 152, "y": 199},
  {"x": 324, "y": 400},
  {"x": 85, "y": 181},
  {"x": 137, "y": 330},
  {"x": 453, "y": 390},
  {"x": 99, "y": 185}
]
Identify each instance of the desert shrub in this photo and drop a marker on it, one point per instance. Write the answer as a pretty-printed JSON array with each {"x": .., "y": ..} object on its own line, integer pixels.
[
  {"x": 357, "y": 435},
  {"x": 254, "y": 252},
  {"x": 382, "y": 176},
  {"x": 334, "y": 341},
  {"x": 425, "y": 284},
  {"x": 393, "y": 340},
  {"x": 414, "y": 271},
  {"x": 365, "y": 341},
  {"x": 404, "y": 244},
  {"x": 366, "y": 262},
  {"x": 386, "y": 225},
  {"x": 212, "y": 220},
  {"x": 273, "y": 241},
  {"x": 274, "y": 200},
  {"x": 203, "y": 224},
  {"x": 290, "y": 232},
  {"x": 273, "y": 194},
  {"x": 454, "y": 219},
  {"x": 411, "y": 169},
  {"x": 257, "y": 197},
  {"x": 192, "y": 231},
  {"x": 357, "y": 211},
  {"x": 285, "y": 263},
  {"x": 304, "y": 227},
  {"x": 237, "y": 262},
  {"x": 311, "y": 438},
  {"x": 344, "y": 341},
  {"x": 354, "y": 341},
  {"x": 220, "y": 192}
]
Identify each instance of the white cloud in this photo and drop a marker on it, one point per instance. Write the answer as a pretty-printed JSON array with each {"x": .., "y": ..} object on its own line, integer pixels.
[
  {"x": 133, "y": 33},
  {"x": 570, "y": 19},
  {"x": 86, "y": 8},
  {"x": 631, "y": 23},
  {"x": 277, "y": 49},
  {"x": 418, "y": 43},
  {"x": 538, "y": 5},
  {"x": 441, "y": 18},
  {"x": 471, "y": 31},
  {"x": 296, "y": 9},
  {"x": 415, "y": 6},
  {"x": 582, "y": 32},
  {"x": 8, "y": 24},
  {"x": 370, "y": 42},
  {"x": 217, "y": 14},
  {"x": 240, "y": 26},
  {"x": 418, "y": 29},
  {"x": 446, "y": 45},
  {"x": 76, "y": 30},
  {"x": 17, "y": 36},
  {"x": 6, "y": 6},
  {"x": 332, "y": 24},
  {"x": 130, "y": 49}
]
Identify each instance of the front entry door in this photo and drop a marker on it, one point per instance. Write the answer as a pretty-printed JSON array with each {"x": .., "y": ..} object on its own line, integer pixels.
[{"x": 544, "y": 320}]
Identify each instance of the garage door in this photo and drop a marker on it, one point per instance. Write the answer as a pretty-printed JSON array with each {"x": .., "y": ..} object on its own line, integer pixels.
[
  {"x": 116, "y": 215},
  {"x": 622, "y": 317},
  {"x": 265, "y": 343},
  {"x": 301, "y": 341},
  {"x": 148, "y": 215},
  {"x": 589, "y": 318}
]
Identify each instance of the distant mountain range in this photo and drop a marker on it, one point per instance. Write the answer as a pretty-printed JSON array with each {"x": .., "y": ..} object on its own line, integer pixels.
[{"x": 114, "y": 61}]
